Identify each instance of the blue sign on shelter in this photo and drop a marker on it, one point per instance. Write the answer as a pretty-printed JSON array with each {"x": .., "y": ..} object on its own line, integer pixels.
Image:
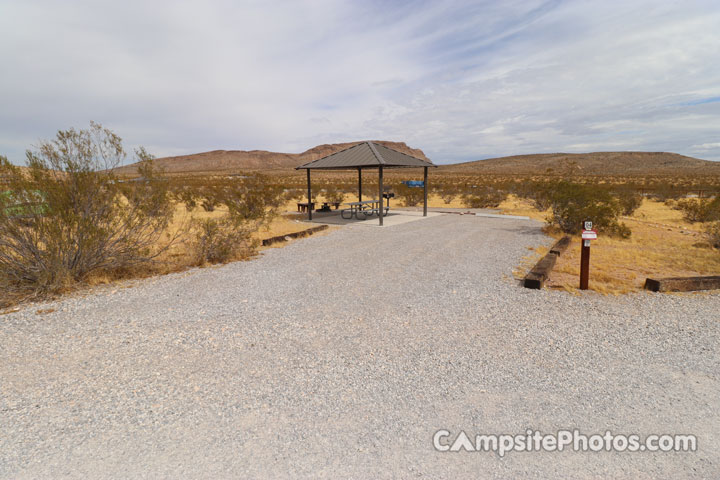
[{"x": 414, "y": 183}]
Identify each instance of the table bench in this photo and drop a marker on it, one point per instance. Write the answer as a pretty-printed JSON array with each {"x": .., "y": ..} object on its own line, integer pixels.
[
  {"x": 303, "y": 206},
  {"x": 367, "y": 209}
]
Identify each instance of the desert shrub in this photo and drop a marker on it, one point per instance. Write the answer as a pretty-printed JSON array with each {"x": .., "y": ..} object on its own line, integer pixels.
[
  {"x": 68, "y": 216},
  {"x": 292, "y": 194},
  {"x": 448, "y": 193},
  {"x": 712, "y": 232},
  {"x": 224, "y": 239},
  {"x": 314, "y": 193},
  {"x": 333, "y": 194},
  {"x": 572, "y": 204},
  {"x": 255, "y": 199},
  {"x": 663, "y": 191},
  {"x": 618, "y": 229},
  {"x": 540, "y": 193},
  {"x": 699, "y": 210},
  {"x": 485, "y": 198},
  {"x": 251, "y": 205},
  {"x": 448, "y": 197},
  {"x": 629, "y": 201},
  {"x": 411, "y": 196},
  {"x": 369, "y": 190},
  {"x": 210, "y": 199},
  {"x": 187, "y": 197}
]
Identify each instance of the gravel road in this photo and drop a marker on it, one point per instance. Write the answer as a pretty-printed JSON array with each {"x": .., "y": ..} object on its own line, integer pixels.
[{"x": 341, "y": 355}]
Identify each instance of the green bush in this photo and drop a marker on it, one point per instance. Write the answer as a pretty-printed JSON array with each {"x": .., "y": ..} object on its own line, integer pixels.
[
  {"x": 572, "y": 204},
  {"x": 699, "y": 210},
  {"x": 663, "y": 191},
  {"x": 251, "y": 204},
  {"x": 411, "y": 196},
  {"x": 486, "y": 198},
  {"x": 187, "y": 197},
  {"x": 448, "y": 197},
  {"x": 68, "y": 216},
  {"x": 333, "y": 194},
  {"x": 712, "y": 232},
  {"x": 224, "y": 239},
  {"x": 540, "y": 193},
  {"x": 620, "y": 230},
  {"x": 446, "y": 191},
  {"x": 629, "y": 201}
]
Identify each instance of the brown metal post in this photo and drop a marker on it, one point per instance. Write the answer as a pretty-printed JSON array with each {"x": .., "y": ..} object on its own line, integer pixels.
[
  {"x": 585, "y": 265},
  {"x": 425, "y": 191},
  {"x": 359, "y": 184},
  {"x": 309, "y": 205},
  {"x": 380, "y": 198}
]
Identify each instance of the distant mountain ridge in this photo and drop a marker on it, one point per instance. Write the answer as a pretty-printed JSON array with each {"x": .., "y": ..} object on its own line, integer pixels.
[
  {"x": 596, "y": 163},
  {"x": 230, "y": 161}
]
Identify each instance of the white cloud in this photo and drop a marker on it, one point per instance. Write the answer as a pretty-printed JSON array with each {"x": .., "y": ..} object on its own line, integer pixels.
[
  {"x": 461, "y": 80},
  {"x": 706, "y": 147}
]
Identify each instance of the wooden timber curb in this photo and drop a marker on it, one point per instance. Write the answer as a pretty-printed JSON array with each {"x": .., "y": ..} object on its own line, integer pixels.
[
  {"x": 682, "y": 284},
  {"x": 561, "y": 245},
  {"x": 303, "y": 233},
  {"x": 541, "y": 271}
]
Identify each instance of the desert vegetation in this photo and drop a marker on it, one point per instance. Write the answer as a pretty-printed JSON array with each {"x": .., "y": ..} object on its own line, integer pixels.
[
  {"x": 74, "y": 215},
  {"x": 68, "y": 219},
  {"x": 698, "y": 210},
  {"x": 651, "y": 226},
  {"x": 663, "y": 244}
]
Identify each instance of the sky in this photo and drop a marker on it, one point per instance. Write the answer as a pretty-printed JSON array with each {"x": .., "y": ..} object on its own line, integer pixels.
[{"x": 461, "y": 80}]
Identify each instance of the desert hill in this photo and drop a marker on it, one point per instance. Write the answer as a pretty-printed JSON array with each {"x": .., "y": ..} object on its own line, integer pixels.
[
  {"x": 229, "y": 161},
  {"x": 597, "y": 163}
]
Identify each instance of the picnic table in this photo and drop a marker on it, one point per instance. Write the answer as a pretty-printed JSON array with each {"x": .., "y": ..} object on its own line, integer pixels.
[
  {"x": 365, "y": 208},
  {"x": 303, "y": 206}
]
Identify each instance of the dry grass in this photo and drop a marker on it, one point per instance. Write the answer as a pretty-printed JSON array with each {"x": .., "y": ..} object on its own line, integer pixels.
[
  {"x": 520, "y": 206},
  {"x": 180, "y": 256},
  {"x": 662, "y": 245}
]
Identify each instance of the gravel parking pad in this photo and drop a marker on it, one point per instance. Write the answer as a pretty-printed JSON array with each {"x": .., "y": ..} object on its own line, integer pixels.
[{"x": 340, "y": 355}]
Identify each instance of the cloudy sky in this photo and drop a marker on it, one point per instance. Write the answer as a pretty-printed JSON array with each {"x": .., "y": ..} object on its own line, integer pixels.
[{"x": 461, "y": 80}]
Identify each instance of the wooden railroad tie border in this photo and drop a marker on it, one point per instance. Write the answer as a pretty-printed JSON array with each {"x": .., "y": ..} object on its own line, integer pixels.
[
  {"x": 561, "y": 245},
  {"x": 303, "y": 233},
  {"x": 682, "y": 284},
  {"x": 541, "y": 271}
]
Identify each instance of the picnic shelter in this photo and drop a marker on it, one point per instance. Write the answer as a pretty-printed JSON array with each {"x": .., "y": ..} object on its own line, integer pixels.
[{"x": 364, "y": 156}]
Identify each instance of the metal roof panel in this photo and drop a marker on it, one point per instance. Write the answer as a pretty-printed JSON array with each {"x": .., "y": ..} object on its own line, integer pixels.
[{"x": 366, "y": 155}]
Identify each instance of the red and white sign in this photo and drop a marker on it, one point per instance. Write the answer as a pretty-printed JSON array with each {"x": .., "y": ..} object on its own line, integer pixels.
[{"x": 589, "y": 234}]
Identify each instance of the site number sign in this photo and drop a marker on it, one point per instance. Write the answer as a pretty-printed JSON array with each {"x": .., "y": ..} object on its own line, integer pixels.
[{"x": 587, "y": 234}]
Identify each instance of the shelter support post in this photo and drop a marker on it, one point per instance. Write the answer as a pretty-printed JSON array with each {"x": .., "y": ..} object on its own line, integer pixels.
[
  {"x": 310, "y": 205},
  {"x": 359, "y": 184},
  {"x": 425, "y": 176},
  {"x": 380, "y": 194}
]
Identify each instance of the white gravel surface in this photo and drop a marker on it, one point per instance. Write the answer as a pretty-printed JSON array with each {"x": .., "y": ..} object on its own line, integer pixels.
[{"x": 340, "y": 355}]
